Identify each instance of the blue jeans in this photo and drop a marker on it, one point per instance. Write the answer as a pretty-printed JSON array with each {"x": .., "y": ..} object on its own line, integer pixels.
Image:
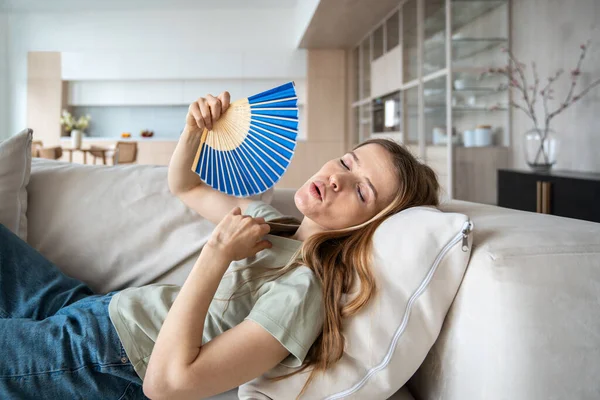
[{"x": 56, "y": 337}]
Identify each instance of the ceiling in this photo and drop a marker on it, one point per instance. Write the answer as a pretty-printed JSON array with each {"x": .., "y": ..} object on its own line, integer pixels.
[
  {"x": 98, "y": 5},
  {"x": 342, "y": 23}
]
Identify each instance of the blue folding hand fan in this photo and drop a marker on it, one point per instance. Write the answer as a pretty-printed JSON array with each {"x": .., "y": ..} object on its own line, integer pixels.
[{"x": 252, "y": 144}]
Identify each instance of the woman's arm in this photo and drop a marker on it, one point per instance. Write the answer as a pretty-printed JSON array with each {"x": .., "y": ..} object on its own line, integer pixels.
[
  {"x": 185, "y": 183},
  {"x": 180, "y": 366}
]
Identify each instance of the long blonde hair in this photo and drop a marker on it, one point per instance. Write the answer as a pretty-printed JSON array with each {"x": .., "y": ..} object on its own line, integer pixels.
[{"x": 339, "y": 257}]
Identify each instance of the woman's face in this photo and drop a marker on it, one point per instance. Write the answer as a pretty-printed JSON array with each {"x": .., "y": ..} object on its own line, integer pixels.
[{"x": 349, "y": 190}]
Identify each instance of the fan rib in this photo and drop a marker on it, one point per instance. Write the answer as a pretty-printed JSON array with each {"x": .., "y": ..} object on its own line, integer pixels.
[
  {"x": 261, "y": 103},
  {"x": 254, "y": 162},
  {"x": 248, "y": 164},
  {"x": 275, "y": 126},
  {"x": 251, "y": 146},
  {"x": 275, "y": 134},
  {"x": 258, "y": 147},
  {"x": 273, "y": 141},
  {"x": 231, "y": 164}
]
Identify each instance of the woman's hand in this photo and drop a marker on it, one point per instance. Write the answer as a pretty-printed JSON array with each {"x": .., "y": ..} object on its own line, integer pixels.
[
  {"x": 238, "y": 235},
  {"x": 205, "y": 111}
]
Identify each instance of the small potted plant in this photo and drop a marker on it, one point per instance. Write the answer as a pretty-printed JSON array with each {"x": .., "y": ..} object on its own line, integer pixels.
[{"x": 75, "y": 127}]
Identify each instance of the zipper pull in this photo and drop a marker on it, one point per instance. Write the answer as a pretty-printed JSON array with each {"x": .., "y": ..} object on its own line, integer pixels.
[
  {"x": 465, "y": 243},
  {"x": 465, "y": 236}
]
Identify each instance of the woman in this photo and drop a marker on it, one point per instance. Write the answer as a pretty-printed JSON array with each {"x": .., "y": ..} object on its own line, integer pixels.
[{"x": 251, "y": 301}]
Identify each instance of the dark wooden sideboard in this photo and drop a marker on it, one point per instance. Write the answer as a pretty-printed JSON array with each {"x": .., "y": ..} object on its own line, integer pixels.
[{"x": 564, "y": 193}]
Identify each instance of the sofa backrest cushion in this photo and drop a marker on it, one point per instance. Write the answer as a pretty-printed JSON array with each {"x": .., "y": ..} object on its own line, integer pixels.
[{"x": 113, "y": 226}]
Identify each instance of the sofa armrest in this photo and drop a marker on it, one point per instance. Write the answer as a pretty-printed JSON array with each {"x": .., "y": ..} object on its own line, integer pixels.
[{"x": 524, "y": 324}]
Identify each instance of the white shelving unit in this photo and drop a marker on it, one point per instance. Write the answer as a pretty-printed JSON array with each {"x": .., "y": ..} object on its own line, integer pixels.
[{"x": 439, "y": 63}]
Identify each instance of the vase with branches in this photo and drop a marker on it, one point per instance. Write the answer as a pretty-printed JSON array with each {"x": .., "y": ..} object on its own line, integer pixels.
[{"x": 541, "y": 142}]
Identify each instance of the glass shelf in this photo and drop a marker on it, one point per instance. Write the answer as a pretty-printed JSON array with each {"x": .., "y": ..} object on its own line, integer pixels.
[
  {"x": 378, "y": 42},
  {"x": 435, "y": 36},
  {"x": 392, "y": 31},
  {"x": 365, "y": 56},
  {"x": 478, "y": 109},
  {"x": 481, "y": 90},
  {"x": 440, "y": 93},
  {"x": 411, "y": 111},
  {"x": 436, "y": 108},
  {"x": 410, "y": 41},
  {"x": 463, "y": 12},
  {"x": 462, "y": 48},
  {"x": 466, "y": 11},
  {"x": 432, "y": 109}
]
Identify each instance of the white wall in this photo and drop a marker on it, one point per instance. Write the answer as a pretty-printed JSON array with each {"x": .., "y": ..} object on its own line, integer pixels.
[
  {"x": 550, "y": 32},
  {"x": 4, "y": 131},
  {"x": 167, "y": 32}
]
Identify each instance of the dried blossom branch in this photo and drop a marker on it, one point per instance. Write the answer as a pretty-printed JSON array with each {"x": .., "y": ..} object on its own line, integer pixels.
[
  {"x": 536, "y": 84},
  {"x": 517, "y": 79},
  {"x": 575, "y": 74},
  {"x": 515, "y": 105},
  {"x": 584, "y": 92}
]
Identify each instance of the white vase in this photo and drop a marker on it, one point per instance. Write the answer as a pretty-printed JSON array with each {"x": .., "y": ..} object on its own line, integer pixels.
[{"x": 76, "y": 138}]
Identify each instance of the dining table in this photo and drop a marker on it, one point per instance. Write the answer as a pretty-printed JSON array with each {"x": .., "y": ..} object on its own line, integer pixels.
[{"x": 85, "y": 151}]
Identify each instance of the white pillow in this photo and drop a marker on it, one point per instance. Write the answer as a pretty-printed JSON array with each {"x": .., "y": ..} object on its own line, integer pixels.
[
  {"x": 15, "y": 166},
  {"x": 419, "y": 262},
  {"x": 113, "y": 227}
]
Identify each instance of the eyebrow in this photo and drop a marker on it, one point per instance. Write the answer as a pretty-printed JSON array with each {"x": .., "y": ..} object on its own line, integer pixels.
[{"x": 368, "y": 180}]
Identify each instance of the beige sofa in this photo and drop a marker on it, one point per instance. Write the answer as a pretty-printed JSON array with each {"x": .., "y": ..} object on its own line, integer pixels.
[{"x": 525, "y": 323}]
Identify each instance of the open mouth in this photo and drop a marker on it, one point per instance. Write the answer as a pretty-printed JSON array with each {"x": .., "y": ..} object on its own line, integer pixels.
[{"x": 315, "y": 192}]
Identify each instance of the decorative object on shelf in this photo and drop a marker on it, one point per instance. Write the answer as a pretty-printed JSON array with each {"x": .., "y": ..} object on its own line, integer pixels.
[
  {"x": 126, "y": 135},
  {"x": 74, "y": 127},
  {"x": 146, "y": 133},
  {"x": 541, "y": 144},
  {"x": 469, "y": 138},
  {"x": 440, "y": 138},
  {"x": 252, "y": 144},
  {"x": 483, "y": 135},
  {"x": 463, "y": 83}
]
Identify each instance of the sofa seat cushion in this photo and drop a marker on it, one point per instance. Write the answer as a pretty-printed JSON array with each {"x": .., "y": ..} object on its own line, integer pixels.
[{"x": 525, "y": 321}]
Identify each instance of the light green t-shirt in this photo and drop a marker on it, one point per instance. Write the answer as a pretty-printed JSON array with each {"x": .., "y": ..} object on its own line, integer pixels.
[{"x": 290, "y": 308}]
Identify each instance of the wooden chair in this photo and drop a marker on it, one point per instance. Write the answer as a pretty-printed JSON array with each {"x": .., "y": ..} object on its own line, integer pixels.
[
  {"x": 98, "y": 152},
  {"x": 51, "y": 153},
  {"x": 125, "y": 153},
  {"x": 36, "y": 145}
]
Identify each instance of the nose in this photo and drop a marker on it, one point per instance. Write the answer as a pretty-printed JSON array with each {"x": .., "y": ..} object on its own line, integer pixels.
[{"x": 337, "y": 182}]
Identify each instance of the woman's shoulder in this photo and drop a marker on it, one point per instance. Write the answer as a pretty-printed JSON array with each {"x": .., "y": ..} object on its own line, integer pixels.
[{"x": 303, "y": 279}]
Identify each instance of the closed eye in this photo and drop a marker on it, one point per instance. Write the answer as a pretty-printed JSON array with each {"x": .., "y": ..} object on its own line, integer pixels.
[{"x": 358, "y": 190}]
